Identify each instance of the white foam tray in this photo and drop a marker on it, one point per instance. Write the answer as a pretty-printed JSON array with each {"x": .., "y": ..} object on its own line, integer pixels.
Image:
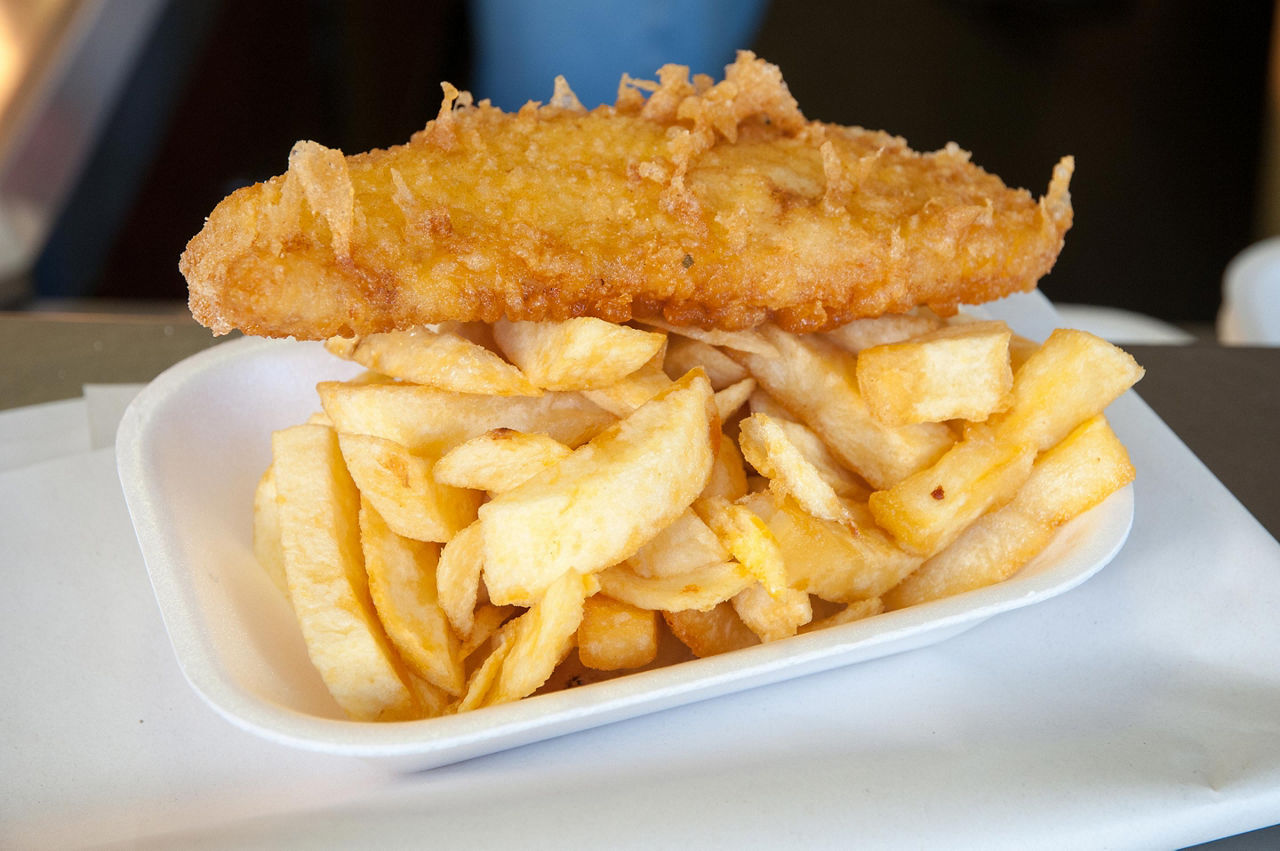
[{"x": 190, "y": 450}]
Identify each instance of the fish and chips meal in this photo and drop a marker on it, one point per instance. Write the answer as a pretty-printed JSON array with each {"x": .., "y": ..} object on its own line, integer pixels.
[{"x": 647, "y": 382}]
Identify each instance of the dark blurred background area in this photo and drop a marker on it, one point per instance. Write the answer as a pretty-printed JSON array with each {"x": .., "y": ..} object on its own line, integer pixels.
[{"x": 1165, "y": 106}]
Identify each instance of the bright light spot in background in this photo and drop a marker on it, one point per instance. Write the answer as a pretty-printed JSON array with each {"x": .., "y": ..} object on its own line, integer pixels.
[
  {"x": 8, "y": 57},
  {"x": 29, "y": 31}
]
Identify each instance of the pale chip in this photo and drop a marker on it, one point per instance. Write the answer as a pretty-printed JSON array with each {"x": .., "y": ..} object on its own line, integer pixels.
[
  {"x": 320, "y": 535},
  {"x": 699, "y": 588},
  {"x": 828, "y": 559},
  {"x": 598, "y": 506},
  {"x": 440, "y": 359},
  {"x": 684, "y": 354},
  {"x": 927, "y": 510},
  {"x": 683, "y": 545},
  {"x": 881, "y": 330},
  {"x": 430, "y": 422},
  {"x": 733, "y": 397},
  {"x": 817, "y": 383},
  {"x": 541, "y": 638},
  {"x": 773, "y": 615},
  {"x": 769, "y": 448},
  {"x": 266, "y": 531},
  {"x": 959, "y": 372},
  {"x": 458, "y": 578},
  {"x": 1072, "y": 377},
  {"x": 401, "y": 486},
  {"x": 630, "y": 392},
  {"x": 499, "y": 460},
  {"x": 583, "y": 353},
  {"x": 402, "y": 583},
  {"x": 747, "y": 539},
  {"x": 743, "y": 341},
  {"x": 728, "y": 475}
]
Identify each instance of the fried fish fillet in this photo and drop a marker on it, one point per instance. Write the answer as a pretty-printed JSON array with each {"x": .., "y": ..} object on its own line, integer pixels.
[{"x": 700, "y": 203}]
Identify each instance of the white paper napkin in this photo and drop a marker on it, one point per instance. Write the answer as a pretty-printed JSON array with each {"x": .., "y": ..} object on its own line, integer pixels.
[
  {"x": 105, "y": 406},
  {"x": 1139, "y": 710},
  {"x": 104, "y": 740},
  {"x": 40, "y": 432}
]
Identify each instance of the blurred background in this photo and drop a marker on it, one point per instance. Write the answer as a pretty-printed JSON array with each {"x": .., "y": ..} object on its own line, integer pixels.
[{"x": 122, "y": 123}]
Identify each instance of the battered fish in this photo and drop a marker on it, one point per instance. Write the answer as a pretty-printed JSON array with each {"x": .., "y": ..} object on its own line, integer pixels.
[{"x": 716, "y": 205}]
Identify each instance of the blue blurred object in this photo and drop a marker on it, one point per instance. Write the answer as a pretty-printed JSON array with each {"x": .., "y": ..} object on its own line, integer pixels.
[{"x": 521, "y": 46}]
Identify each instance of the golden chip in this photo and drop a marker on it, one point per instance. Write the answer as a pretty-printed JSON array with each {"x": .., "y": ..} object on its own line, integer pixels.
[
  {"x": 498, "y": 460},
  {"x": 430, "y": 422},
  {"x": 599, "y": 505},
  {"x": 266, "y": 531},
  {"x": 1072, "y": 477},
  {"x": 710, "y": 633},
  {"x": 402, "y": 583},
  {"x": 401, "y": 486},
  {"x": 435, "y": 358},
  {"x": 320, "y": 534},
  {"x": 614, "y": 635},
  {"x": 817, "y": 383},
  {"x": 577, "y": 354},
  {"x": 959, "y": 372}
]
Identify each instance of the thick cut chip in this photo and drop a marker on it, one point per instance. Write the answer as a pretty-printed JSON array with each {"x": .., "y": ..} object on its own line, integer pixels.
[
  {"x": 1020, "y": 350},
  {"x": 629, "y": 393},
  {"x": 712, "y": 632},
  {"x": 431, "y": 422},
  {"x": 743, "y": 341},
  {"x": 927, "y": 510},
  {"x": 498, "y": 460},
  {"x": 487, "y": 621},
  {"x": 434, "y": 700},
  {"x": 483, "y": 678},
  {"x": 402, "y": 582},
  {"x": 768, "y": 448},
  {"x": 599, "y": 505},
  {"x": 827, "y": 559},
  {"x": 685, "y": 544},
  {"x": 1069, "y": 479},
  {"x": 614, "y": 635},
  {"x": 440, "y": 359},
  {"x": 1072, "y": 377},
  {"x": 320, "y": 534},
  {"x": 733, "y": 397},
  {"x": 542, "y": 637},
  {"x": 458, "y": 578},
  {"x": 701, "y": 588},
  {"x": 856, "y": 611},
  {"x": 842, "y": 480},
  {"x": 747, "y": 539},
  {"x": 773, "y": 616},
  {"x": 762, "y": 403},
  {"x": 881, "y": 330},
  {"x": 684, "y": 354},
  {"x": 959, "y": 372},
  {"x": 728, "y": 476},
  {"x": 266, "y": 531},
  {"x": 577, "y": 354},
  {"x": 817, "y": 383},
  {"x": 401, "y": 486}
]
